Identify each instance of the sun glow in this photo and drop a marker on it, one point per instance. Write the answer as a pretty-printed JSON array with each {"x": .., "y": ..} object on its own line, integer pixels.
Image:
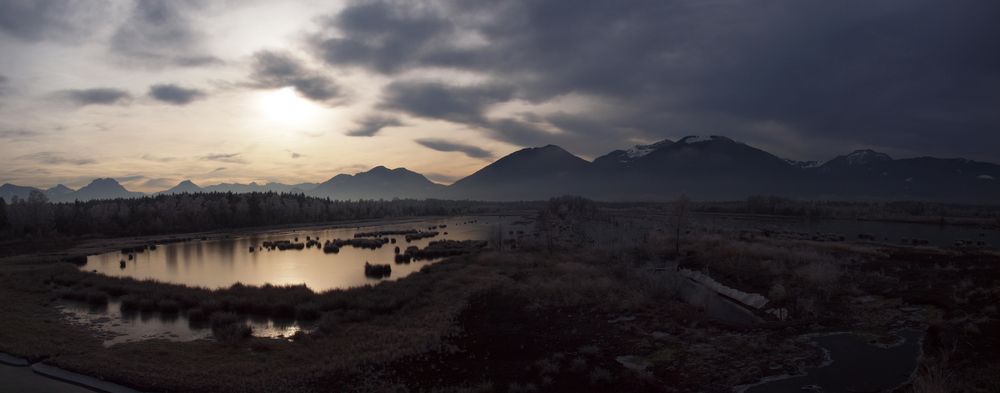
[{"x": 285, "y": 107}]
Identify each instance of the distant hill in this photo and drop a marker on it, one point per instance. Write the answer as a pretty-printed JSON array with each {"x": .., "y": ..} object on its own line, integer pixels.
[
  {"x": 106, "y": 188},
  {"x": 60, "y": 193},
  {"x": 532, "y": 173},
  {"x": 706, "y": 168},
  {"x": 186, "y": 186},
  {"x": 378, "y": 183},
  {"x": 713, "y": 167},
  {"x": 10, "y": 191}
]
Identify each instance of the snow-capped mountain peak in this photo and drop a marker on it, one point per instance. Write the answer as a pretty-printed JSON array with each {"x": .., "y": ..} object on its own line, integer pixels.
[
  {"x": 692, "y": 139},
  {"x": 804, "y": 164},
  {"x": 866, "y": 156},
  {"x": 643, "y": 150}
]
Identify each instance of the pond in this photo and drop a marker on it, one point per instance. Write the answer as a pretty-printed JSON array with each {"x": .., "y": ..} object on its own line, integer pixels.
[
  {"x": 115, "y": 326},
  {"x": 854, "y": 364},
  {"x": 222, "y": 262}
]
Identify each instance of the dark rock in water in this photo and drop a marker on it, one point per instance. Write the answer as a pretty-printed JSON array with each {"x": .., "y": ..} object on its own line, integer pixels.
[
  {"x": 421, "y": 235},
  {"x": 131, "y": 250},
  {"x": 377, "y": 271}
]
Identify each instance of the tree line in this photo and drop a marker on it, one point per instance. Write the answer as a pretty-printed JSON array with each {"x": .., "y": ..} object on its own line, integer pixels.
[{"x": 35, "y": 216}]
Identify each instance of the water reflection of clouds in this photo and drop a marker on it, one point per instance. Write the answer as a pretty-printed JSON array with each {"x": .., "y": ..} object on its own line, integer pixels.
[{"x": 219, "y": 263}]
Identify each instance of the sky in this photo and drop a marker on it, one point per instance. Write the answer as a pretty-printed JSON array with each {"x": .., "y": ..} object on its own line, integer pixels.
[{"x": 155, "y": 92}]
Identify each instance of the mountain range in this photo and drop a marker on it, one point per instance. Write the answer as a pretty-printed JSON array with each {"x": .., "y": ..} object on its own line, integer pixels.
[{"x": 706, "y": 168}]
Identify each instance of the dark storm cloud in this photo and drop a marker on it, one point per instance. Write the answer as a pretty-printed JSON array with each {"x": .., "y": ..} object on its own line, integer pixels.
[
  {"x": 273, "y": 70},
  {"x": 53, "y": 158},
  {"x": 382, "y": 36},
  {"x": 371, "y": 125},
  {"x": 38, "y": 20},
  {"x": 448, "y": 146},
  {"x": 464, "y": 104},
  {"x": 158, "y": 33},
  {"x": 913, "y": 75},
  {"x": 95, "y": 96},
  {"x": 174, "y": 94}
]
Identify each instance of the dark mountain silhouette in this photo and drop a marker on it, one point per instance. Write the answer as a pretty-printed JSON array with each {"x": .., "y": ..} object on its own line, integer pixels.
[
  {"x": 707, "y": 168},
  {"x": 378, "y": 183},
  {"x": 60, "y": 193},
  {"x": 10, "y": 191},
  {"x": 106, "y": 188},
  {"x": 712, "y": 167},
  {"x": 186, "y": 186},
  {"x": 868, "y": 174},
  {"x": 532, "y": 173}
]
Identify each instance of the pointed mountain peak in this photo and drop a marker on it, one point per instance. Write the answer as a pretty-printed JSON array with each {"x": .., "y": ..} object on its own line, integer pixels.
[
  {"x": 187, "y": 182},
  {"x": 60, "y": 189},
  {"x": 546, "y": 151}
]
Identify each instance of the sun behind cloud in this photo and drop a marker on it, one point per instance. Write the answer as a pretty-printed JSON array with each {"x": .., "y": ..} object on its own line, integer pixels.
[{"x": 285, "y": 108}]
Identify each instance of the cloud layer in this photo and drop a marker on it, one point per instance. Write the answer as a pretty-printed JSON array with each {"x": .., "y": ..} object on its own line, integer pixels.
[
  {"x": 855, "y": 71},
  {"x": 449, "y": 146},
  {"x": 174, "y": 94},
  {"x": 275, "y": 69},
  {"x": 95, "y": 96}
]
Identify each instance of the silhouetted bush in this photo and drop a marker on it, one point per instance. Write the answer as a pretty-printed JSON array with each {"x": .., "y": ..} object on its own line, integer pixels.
[{"x": 377, "y": 271}]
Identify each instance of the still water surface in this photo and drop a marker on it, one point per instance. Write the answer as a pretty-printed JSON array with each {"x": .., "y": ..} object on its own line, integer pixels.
[{"x": 217, "y": 263}]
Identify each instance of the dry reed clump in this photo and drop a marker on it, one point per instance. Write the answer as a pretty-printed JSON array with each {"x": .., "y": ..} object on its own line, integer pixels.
[{"x": 934, "y": 378}]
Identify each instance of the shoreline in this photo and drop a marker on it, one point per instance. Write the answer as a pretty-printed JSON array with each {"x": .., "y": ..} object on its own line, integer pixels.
[
  {"x": 57, "y": 374},
  {"x": 103, "y": 245}
]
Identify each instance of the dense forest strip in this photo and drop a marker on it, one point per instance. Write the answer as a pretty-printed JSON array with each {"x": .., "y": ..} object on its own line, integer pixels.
[{"x": 36, "y": 219}]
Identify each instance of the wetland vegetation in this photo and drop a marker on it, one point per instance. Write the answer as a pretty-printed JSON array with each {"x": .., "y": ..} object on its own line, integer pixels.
[{"x": 593, "y": 296}]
